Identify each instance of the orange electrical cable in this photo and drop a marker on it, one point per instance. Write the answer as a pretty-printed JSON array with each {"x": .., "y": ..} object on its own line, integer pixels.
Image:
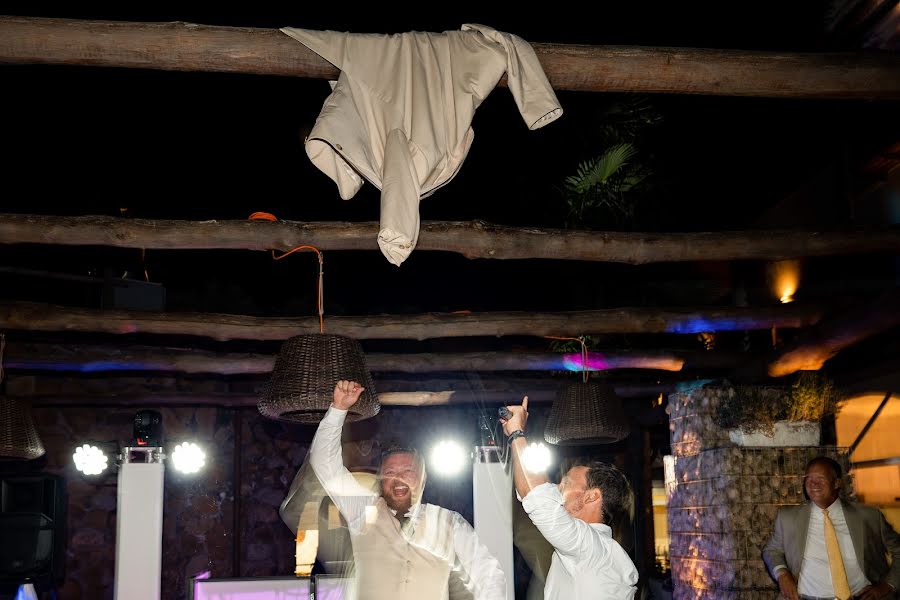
[{"x": 320, "y": 292}]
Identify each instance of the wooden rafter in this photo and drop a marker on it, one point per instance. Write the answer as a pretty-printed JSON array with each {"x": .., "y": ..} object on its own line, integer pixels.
[
  {"x": 474, "y": 239},
  {"x": 830, "y": 337},
  {"x": 96, "y": 359},
  {"x": 53, "y": 390},
  {"x": 26, "y": 316},
  {"x": 189, "y": 47}
]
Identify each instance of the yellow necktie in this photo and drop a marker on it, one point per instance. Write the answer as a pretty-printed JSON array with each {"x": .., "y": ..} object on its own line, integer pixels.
[{"x": 835, "y": 560}]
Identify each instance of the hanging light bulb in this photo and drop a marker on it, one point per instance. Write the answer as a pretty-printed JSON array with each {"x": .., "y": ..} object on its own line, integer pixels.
[
  {"x": 308, "y": 366},
  {"x": 784, "y": 276}
]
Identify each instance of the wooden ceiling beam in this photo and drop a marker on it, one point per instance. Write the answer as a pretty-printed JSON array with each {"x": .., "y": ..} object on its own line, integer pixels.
[
  {"x": 55, "y": 390},
  {"x": 27, "y": 316},
  {"x": 182, "y": 46},
  {"x": 472, "y": 239},
  {"x": 104, "y": 359},
  {"x": 819, "y": 344}
]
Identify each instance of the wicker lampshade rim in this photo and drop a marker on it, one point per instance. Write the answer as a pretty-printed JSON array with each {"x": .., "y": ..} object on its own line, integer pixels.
[{"x": 306, "y": 370}]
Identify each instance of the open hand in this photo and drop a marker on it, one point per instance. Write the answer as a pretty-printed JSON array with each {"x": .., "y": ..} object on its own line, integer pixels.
[
  {"x": 346, "y": 393},
  {"x": 874, "y": 592},
  {"x": 788, "y": 585}
]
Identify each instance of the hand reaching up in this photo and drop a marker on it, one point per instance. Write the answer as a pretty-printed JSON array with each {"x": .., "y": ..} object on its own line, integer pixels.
[
  {"x": 517, "y": 418},
  {"x": 346, "y": 393}
]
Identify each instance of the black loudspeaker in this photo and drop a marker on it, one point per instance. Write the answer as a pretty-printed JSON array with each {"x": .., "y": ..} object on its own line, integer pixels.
[{"x": 32, "y": 529}]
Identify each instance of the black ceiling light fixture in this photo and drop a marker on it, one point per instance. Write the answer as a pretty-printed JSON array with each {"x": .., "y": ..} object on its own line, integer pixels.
[
  {"x": 586, "y": 413},
  {"x": 19, "y": 439},
  {"x": 301, "y": 386}
]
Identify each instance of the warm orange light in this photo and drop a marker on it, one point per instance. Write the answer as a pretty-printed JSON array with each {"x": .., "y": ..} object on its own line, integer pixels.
[{"x": 785, "y": 277}]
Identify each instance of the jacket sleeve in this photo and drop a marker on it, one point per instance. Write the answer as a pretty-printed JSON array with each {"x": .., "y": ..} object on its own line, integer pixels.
[
  {"x": 400, "y": 191},
  {"x": 525, "y": 77},
  {"x": 892, "y": 546},
  {"x": 476, "y": 568},
  {"x": 773, "y": 552},
  {"x": 326, "y": 460}
]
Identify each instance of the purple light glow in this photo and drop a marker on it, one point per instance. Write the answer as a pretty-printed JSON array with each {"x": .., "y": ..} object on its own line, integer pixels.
[
  {"x": 252, "y": 589},
  {"x": 595, "y": 362}
]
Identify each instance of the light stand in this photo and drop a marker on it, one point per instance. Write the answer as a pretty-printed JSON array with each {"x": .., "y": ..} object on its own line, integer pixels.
[
  {"x": 140, "y": 513},
  {"x": 492, "y": 499}
]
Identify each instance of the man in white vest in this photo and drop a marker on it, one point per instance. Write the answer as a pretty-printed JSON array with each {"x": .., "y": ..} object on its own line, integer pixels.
[{"x": 402, "y": 549}]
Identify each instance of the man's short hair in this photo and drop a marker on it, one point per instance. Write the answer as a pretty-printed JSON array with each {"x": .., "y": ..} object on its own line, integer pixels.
[
  {"x": 834, "y": 465},
  {"x": 398, "y": 449},
  {"x": 618, "y": 497}
]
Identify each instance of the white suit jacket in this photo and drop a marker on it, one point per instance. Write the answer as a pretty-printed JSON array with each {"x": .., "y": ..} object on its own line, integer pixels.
[{"x": 400, "y": 113}]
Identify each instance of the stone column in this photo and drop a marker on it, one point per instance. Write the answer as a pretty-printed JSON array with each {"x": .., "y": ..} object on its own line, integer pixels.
[{"x": 722, "y": 505}]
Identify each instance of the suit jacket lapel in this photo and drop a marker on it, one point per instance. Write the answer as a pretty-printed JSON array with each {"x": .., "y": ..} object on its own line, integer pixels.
[{"x": 802, "y": 531}]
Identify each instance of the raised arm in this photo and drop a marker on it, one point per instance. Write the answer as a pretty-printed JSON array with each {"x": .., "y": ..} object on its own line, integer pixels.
[
  {"x": 514, "y": 426},
  {"x": 326, "y": 457}
]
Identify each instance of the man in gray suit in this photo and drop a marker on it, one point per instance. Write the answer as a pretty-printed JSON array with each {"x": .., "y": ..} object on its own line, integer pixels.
[{"x": 829, "y": 548}]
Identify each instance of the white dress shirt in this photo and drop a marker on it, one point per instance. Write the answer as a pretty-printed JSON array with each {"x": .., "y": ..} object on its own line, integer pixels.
[
  {"x": 815, "y": 574},
  {"x": 429, "y": 558},
  {"x": 587, "y": 562}
]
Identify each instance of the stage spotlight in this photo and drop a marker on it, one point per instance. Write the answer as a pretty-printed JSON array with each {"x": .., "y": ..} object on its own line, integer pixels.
[
  {"x": 448, "y": 458},
  {"x": 90, "y": 460},
  {"x": 536, "y": 458},
  {"x": 187, "y": 457},
  {"x": 147, "y": 428}
]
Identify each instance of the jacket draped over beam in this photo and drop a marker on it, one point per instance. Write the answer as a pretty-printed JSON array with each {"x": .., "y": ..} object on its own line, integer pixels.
[{"x": 400, "y": 113}]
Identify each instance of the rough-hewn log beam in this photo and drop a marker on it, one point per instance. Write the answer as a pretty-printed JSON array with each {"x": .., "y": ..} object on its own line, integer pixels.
[
  {"x": 473, "y": 239},
  {"x": 188, "y": 47},
  {"x": 107, "y": 387},
  {"x": 422, "y": 398},
  {"x": 26, "y": 316},
  {"x": 96, "y": 359},
  {"x": 233, "y": 401},
  {"x": 831, "y": 336}
]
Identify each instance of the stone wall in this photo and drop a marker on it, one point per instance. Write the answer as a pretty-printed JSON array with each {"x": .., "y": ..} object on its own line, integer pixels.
[{"x": 722, "y": 507}]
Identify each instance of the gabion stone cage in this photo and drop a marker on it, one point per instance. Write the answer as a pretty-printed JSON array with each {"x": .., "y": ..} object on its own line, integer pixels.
[
  {"x": 301, "y": 386},
  {"x": 586, "y": 413},
  {"x": 18, "y": 437}
]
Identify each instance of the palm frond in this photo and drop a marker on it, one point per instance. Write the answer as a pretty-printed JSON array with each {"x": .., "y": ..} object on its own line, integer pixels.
[{"x": 597, "y": 171}]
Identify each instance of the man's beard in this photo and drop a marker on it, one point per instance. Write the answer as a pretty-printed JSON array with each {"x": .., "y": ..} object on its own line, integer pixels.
[
  {"x": 401, "y": 506},
  {"x": 575, "y": 504}
]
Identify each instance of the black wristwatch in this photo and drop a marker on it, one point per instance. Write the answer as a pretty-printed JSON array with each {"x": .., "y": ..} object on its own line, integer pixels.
[{"x": 518, "y": 433}]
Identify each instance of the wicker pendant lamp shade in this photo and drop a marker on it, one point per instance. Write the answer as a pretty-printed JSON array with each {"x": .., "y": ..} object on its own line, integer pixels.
[
  {"x": 19, "y": 440},
  {"x": 586, "y": 413},
  {"x": 18, "y": 437},
  {"x": 301, "y": 387}
]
